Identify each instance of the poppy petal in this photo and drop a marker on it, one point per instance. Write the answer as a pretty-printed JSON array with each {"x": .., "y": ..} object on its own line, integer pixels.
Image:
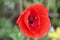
[{"x": 41, "y": 9}]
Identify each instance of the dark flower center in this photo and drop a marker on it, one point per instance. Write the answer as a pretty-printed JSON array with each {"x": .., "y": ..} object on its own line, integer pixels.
[{"x": 31, "y": 19}]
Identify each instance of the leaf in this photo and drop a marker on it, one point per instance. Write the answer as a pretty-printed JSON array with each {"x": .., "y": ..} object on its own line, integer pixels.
[{"x": 16, "y": 31}]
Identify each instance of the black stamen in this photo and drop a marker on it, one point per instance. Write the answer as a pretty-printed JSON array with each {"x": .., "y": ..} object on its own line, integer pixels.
[{"x": 31, "y": 19}]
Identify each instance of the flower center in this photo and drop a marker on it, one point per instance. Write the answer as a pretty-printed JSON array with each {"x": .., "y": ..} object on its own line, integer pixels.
[{"x": 31, "y": 19}]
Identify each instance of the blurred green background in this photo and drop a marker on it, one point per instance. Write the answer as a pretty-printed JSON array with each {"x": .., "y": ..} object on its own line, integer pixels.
[{"x": 10, "y": 10}]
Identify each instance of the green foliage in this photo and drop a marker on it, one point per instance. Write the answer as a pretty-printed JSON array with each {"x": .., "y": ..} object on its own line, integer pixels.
[
  {"x": 13, "y": 1},
  {"x": 16, "y": 31},
  {"x": 58, "y": 3},
  {"x": 6, "y": 27},
  {"x": 53, "y": 9},
  {"x": 37, "y": 1},
  {"x": 5, "y": 23},
  {"x": 51, "y": 3},
  {"x": 55, "y": 21},
  {"x": 1, "y": 7}
]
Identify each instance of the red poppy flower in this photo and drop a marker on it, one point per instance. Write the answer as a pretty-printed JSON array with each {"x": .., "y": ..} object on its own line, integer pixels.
[{"x": 34, "y": 21}]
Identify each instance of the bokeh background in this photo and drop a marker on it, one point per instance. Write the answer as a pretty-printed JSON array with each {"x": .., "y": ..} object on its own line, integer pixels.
[{"x": 11, "y": 9}]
